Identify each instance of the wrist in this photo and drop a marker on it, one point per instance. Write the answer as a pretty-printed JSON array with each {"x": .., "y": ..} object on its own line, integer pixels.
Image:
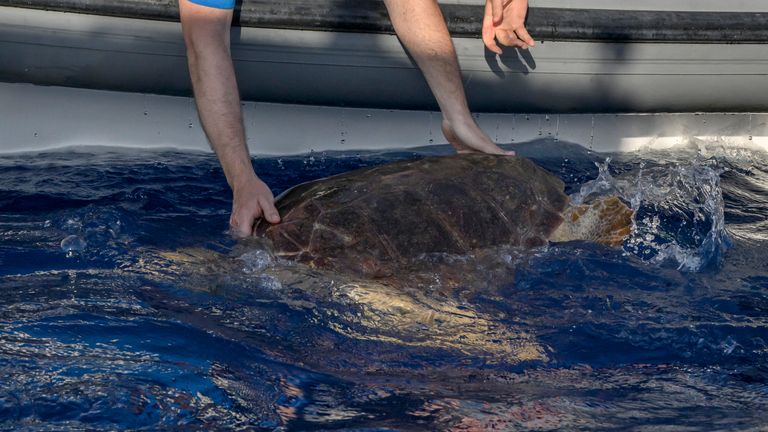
[
  {"x": 242, "y": 181},
  {"x": 236, "y": 164},
  {"x": 457, "y": 120}
]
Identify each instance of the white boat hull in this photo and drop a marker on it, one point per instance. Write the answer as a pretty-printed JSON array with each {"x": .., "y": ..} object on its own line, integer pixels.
[
  {"x": 77, "y": 79},
  {"x": 372, "y": 70}
]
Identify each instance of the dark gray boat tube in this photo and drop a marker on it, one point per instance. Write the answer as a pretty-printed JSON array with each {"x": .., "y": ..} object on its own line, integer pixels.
[
  {"x": 464, "y": 20},
  {"x": 343, "y": 53}
]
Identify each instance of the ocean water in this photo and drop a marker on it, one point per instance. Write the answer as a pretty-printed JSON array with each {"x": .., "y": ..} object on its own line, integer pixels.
[{"x": 125, "y": 305}]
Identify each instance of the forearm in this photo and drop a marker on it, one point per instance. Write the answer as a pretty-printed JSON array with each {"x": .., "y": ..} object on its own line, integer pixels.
[
  {"x": 206, "y": 34},
  {"x": 420, "y": 26},
  {"x": 217, "y": 98},
  {"x": 218, "y": 105}
]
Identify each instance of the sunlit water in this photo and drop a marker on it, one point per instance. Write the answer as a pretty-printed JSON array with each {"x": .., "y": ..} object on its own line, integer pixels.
[{"x": 125, "y": 305}]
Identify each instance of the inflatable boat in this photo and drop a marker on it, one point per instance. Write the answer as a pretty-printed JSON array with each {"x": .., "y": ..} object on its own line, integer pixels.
[{"x": 592, "y": 58}]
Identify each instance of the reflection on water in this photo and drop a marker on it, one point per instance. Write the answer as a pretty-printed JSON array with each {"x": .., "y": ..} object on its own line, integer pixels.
[{"x": 125, "y": 305}]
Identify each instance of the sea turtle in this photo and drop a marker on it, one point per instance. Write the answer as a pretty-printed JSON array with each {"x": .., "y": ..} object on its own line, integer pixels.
[
  {"x": 364, "y": 243},
  {"x": 373, "y": 221}
]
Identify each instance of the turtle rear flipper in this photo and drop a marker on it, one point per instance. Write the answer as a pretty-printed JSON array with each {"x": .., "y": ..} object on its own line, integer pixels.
[{"x": 607, "y": 221}]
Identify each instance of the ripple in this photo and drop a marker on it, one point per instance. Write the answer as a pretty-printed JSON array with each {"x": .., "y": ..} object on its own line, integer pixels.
[{"x": 159, "y": 321}]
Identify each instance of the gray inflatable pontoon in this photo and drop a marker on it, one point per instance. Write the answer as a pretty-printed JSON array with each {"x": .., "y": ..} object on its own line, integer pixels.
[
  {"x": 80, "y": 72},
  {"x": 343, "y": 53}
]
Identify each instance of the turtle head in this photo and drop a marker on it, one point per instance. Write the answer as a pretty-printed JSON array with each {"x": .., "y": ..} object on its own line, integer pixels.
[{"x": 606, "y": 220}]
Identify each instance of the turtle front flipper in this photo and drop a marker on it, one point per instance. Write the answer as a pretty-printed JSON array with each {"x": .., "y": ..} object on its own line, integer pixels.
[{"x": 607, "y": 221}]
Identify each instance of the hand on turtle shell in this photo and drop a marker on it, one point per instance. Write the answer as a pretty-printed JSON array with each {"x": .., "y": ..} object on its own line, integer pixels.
[
  {"x": 252, "y": 200},
  {"x": 504, "y": 21},
  {"x": 466, "y": 137}
]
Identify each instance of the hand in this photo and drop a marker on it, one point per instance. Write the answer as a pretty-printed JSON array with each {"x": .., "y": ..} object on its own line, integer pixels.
[
  {"x": 466, "y": 137},
  {"x": 252, "y": 199},
  {"x": 504, "y": 21}
]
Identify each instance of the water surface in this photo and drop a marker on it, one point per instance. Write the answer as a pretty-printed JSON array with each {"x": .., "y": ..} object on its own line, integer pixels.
[{"x": 124, "y": 304}]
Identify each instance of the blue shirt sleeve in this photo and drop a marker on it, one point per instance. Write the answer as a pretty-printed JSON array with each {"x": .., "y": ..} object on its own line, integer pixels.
[{"x": 218, "y": 4}]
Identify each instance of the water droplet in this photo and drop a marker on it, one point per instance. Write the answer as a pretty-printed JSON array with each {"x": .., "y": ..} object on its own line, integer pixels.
[
  {"x": 35, "y": 134},
  {"x": 431, "y": 141},
  {"x": 146, "y": 112},
  {"x": 72, "y": 244},
  {"x": 190, "y": 125}
]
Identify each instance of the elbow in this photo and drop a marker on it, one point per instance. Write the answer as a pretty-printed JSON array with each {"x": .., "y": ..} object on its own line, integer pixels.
[{"x": 205, "y": 36}]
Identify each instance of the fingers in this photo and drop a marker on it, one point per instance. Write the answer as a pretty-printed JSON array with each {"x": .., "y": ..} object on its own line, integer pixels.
[
  {"x": 489, "y": 30},
  {"x": 497, "y": 11},
  {"x": 511, "y": 39},
  {"x": 241, "y": 223},
  {"x": 269, "y": 211},
  {"x": 467, "y": 137},
  {"x": 504, "y": 22},
  {"x": 489, "y": 39},
  {"x": 492, "y": 148},
  {"x": 507, "y": 38},
  {"x": 495, "y": 149},
  {"x": 523, "y": 35},
  {"x": 243, "y": 219}
]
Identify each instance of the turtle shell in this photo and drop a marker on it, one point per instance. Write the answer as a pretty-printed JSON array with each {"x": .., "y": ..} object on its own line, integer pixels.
[{"x": 371, "y": 221}]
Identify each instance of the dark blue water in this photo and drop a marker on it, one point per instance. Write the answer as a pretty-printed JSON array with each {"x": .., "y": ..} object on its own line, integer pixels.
[{"x": 124, "y": 304}]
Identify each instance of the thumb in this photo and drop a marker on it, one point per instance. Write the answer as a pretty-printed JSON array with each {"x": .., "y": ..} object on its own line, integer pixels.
[{"x": 269, "y": 211}]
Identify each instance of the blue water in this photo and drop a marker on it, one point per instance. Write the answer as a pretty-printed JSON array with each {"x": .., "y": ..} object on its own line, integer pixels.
[{"x": 124, "y": 304}]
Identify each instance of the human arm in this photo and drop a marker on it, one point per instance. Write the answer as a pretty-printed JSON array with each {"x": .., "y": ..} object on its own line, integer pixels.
[
  {"x": 421, "y": 28},
  {"x": 504, "y": 21},
  {"x": 206, "y": 34}
]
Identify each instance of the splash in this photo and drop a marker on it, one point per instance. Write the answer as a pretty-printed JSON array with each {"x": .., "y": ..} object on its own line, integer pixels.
[{"x": 678, "y": 208}]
